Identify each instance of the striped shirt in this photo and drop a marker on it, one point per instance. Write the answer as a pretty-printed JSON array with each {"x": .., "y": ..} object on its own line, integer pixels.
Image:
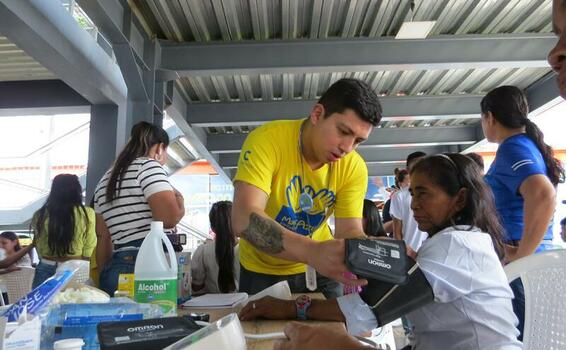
[{"x": 128, "y": 216}]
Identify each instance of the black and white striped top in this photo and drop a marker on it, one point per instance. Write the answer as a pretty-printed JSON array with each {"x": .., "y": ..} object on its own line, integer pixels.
[{"x": 128, "y": 216}]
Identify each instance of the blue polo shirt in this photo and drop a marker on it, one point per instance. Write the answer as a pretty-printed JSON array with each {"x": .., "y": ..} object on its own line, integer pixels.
[{"x": 516, "y": 159}]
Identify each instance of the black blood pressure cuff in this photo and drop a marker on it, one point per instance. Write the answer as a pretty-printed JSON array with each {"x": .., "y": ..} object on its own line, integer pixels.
[
  {"x": 390, "y": 301},
  {"x": 377, "y": 259},
  {"x": 148, "y": 334}
]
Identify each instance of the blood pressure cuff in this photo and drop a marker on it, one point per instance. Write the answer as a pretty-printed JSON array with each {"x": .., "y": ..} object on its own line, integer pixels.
[
  {"x": 390, "y": 301},
  {"x": 148, "y": 334},
  {"x": 378, "y": 259}
]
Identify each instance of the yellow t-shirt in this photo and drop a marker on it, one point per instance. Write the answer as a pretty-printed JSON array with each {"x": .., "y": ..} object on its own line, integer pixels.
[
  {"x": 270, "y": 160},
  {"x": 84, "y": 241}
]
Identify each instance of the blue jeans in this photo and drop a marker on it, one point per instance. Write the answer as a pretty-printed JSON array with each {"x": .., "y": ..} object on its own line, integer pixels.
[
  {"x": 42, "y": 272},
  {"x": 121, "y": 262},
  {"x": 519, "y": 304}
]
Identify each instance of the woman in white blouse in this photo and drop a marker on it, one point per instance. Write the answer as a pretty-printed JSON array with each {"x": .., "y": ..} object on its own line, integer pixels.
[
  {"x": 215, "y": 264},
  {"x": 464, "y": 302}
]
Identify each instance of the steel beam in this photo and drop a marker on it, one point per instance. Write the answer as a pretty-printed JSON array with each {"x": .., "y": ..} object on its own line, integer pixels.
[
  {"x": 379, "y": 138},
  {"x": 384, "y": 169},
  {"x": 196, "y": 136},
  {"x": 543, "y": 94},
  {"x": 48, "y": 33},
  {"x": 394, "y": 108},
  {"x": 38, "y": 94},
  {"x": 363, "y": 54}
]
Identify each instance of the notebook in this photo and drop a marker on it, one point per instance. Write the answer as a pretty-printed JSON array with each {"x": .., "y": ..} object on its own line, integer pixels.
[
  {"x": 279, "y": 290},
  {"x": 217, "y": 301}
]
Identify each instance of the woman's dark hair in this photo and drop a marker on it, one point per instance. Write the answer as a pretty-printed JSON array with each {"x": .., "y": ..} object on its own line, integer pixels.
[
  {"x": 143, "y": 136},
  {"x": 395, "y": 173},
  {"x": 509, "y": 106},
  {"x": 400, "y": 176},
  {"x": 12, "y": 236},
  {"x": 59, "y": 213},
  {"x": 454, "y": 171},
  {"x": 372, "y": 221},
  {"x": 220, "y": 222}
]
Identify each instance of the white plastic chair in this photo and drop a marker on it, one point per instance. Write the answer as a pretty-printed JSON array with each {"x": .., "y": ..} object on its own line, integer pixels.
[
  {"x": 18, "y": 283},
  {"x": 383, "y": 337},
  {"x": 544, "y": 278},
  {"x": 82, "y": 273}
]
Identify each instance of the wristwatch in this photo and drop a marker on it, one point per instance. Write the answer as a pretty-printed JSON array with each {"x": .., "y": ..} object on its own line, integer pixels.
[{"x": 302, "y": 304}]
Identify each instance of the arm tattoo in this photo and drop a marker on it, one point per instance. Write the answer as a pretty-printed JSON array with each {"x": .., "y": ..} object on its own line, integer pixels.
[{"x": 264, "y": 234}]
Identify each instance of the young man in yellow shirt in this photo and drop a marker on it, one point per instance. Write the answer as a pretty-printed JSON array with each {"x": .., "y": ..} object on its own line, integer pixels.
[{"x": 292, "y": 176}]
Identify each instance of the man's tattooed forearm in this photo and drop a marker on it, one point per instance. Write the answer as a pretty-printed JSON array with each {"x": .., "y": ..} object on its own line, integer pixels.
[{"x": 264, "y": 234}]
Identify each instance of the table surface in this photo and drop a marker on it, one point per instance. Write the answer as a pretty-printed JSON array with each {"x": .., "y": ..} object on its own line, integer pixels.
[{"x": 259, "y": 326}]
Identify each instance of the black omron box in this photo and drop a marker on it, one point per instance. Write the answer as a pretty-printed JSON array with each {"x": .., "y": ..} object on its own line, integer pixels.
[
  {"x": 150, "y": 334},
  {"x": 380, "y": 259}
]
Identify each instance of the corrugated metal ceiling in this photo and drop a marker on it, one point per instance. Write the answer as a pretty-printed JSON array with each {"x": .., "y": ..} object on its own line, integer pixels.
[
  {"x": 234, "y": 20},
  {"x": 265, "y": 87},
  {"x": 15, "y": 64}
]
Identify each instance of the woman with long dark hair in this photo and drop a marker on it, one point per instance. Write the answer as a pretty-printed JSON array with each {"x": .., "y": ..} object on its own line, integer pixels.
[
  {"x": 458, "y": 285},
  {"x": 371, "y": 220},
  {"x": 523, "y": 177},
  {"x": 63, "y": 226},
  {"x": 215, "y": 264},
  {"x": 524, "y": 173},
  {"x": 134, "y": 192}
]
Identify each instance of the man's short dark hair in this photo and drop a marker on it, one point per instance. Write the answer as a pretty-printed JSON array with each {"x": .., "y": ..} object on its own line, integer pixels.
[
  {"x": 563, "y": 222},
  {"x": 414, "y": 156},
  {"x": 355, "y": 95}
]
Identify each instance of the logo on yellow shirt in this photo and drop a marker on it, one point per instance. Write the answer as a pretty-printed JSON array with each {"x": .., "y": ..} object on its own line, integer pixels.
[{"x": 304, "y": 223}]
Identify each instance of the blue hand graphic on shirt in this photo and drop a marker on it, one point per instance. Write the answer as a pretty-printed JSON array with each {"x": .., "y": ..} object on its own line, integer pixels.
[{"x": 292, "y": 217}]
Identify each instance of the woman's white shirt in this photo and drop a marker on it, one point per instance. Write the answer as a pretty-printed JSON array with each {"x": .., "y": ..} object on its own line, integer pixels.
[
  {"x": 472, "y": 308},
  {"x": 204, "y": 268}
]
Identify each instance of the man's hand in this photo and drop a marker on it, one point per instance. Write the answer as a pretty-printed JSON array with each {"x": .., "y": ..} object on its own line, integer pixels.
[
  {"x": 301, "y": 336},
  {"x": 269, "y": 308},
  {"x": 328, "y": 257}
]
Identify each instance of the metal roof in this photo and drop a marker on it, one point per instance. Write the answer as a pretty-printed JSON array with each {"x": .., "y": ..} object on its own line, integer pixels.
[
  {"x": 267, "y": 87},
  {"x": 240, "y": 63},
  {"x": 15, "y": 64},
  {"x": 233, "y": 20},
  {"x": 268, "y": 21}
]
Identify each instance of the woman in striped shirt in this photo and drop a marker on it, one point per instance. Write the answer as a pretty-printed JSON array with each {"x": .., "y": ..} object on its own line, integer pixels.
[{"x": 131, "y": 194}]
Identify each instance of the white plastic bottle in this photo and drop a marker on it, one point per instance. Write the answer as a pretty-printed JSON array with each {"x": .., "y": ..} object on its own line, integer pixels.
[{"x": 155, "y": 277}]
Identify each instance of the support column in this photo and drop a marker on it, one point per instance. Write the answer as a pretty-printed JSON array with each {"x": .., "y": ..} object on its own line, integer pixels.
[{"x": 103, "y": 140}]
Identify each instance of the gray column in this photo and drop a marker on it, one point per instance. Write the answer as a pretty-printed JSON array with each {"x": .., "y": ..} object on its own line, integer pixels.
[
  {"x": 102, "y": 144},
  {"x": 138, "y": 111}
]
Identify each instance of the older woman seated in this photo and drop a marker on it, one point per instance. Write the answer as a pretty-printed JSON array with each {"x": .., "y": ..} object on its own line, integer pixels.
[{"x": 458, "y": 297}]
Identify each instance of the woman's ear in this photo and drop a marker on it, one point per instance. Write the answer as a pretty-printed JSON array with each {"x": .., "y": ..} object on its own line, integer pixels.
[{"x": 461, "y": 199}]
